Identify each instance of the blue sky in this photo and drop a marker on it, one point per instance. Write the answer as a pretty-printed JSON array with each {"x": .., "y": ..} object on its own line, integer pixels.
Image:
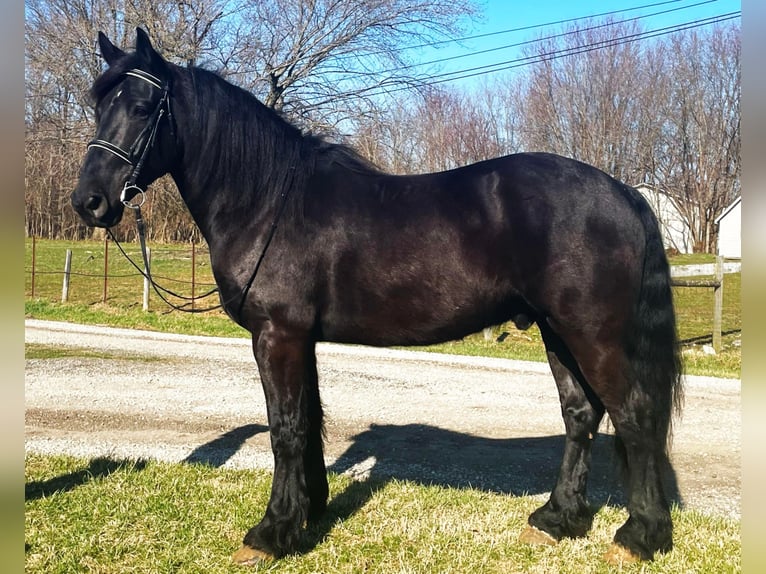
[{"x": 502, "y": 15}]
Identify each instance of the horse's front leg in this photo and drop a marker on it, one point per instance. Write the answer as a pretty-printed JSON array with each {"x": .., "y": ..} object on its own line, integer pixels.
[{"x": 287, "y": 366}]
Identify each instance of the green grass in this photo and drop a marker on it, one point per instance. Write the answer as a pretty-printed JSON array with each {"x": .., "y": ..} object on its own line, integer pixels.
[
  {"x": 37, "y": 351},
  {"x": 132, "y": 317},
  {"x": 111, "y": 516},
  {"x": 173, "y": 264}
]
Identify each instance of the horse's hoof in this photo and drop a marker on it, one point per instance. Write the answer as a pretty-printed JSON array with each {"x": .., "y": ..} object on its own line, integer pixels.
[
  {"x": 247, "y": 556},
  {"x": 532, "y": 535},
  {"x": 618, "y": 554}
]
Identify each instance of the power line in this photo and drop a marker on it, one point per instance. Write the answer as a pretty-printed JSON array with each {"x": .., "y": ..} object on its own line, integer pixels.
[
  {"x": 535, "y": 41},
  {"x": 556, "y": 54},
  {"x": 515, "y": 63},
  {"x": 526, "y": 28}
]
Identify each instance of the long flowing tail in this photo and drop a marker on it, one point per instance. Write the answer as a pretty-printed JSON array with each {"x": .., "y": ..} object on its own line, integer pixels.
[{"x": 653, "y": 349}]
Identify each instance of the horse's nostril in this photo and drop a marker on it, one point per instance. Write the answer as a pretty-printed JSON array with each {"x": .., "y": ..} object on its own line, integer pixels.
[{"x": 93, "y": 203}]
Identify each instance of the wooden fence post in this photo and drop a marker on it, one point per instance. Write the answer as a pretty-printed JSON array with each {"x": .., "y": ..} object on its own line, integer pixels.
[
  {"x": 146, "y": 278},
  {"x": 194, "y": 266},
  {"x": 718, "y": 304},
  {"x": 106, "y": 267},
  {"x": 34, "y": 262},
  {"x": 67, "y": 273}
]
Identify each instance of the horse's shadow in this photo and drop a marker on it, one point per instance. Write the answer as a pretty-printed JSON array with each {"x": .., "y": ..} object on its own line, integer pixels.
[
  {"x": 418, "y": 453},
  {"x": 97, "y": 468},
  {"x": 518, "y": 466},
  {"x": 430, "y": 455},
  {"x": 220, "y": 449}
]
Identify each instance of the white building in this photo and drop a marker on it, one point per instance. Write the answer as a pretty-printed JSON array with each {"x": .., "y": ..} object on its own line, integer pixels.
[
  {"x": 675, "y": 232},
  {"x": 730, "y": 230}
]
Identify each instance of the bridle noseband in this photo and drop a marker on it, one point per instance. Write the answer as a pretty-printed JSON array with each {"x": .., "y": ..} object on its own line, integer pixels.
[{"x": 136, "y": 155}]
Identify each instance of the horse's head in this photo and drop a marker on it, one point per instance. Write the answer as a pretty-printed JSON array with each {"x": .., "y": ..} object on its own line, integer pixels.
[{"x": 134, "y": 142}]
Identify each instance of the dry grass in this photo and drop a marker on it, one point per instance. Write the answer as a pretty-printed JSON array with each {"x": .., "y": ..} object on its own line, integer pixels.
[{"x": 122, "y": 516}]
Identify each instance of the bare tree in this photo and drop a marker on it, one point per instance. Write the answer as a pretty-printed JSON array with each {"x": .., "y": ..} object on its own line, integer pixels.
[
  {"x": 385, "y": 137},
  {"x": 698, "y": 156},
  {"x": 321, "y": 61},
  {"x": 439, "y": 129},
  {"x": 664, "y": 113},
  {"x": 453, "y": 130},
  {"x": 586, "y": 105}
]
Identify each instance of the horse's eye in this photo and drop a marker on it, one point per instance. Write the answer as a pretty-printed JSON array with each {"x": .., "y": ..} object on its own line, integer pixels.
[{"x": 140, "y": 111}]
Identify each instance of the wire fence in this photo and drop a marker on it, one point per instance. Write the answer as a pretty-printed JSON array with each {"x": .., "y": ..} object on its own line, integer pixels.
[
  {"x": 95, "y": 272},
  {"x": 91, "y": 272}
]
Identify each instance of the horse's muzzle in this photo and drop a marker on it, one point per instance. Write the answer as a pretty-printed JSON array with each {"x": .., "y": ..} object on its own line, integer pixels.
[{"x": 95, "y": 210}]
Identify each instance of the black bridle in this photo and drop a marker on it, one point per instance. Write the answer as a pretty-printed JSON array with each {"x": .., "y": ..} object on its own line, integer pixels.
[
  {"x": 144, "y": 142},
  {"x": 136, "y": 157}
]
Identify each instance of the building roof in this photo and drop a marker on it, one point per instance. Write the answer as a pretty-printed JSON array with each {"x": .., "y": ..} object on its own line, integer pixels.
[{"x": 728, "y": 209}]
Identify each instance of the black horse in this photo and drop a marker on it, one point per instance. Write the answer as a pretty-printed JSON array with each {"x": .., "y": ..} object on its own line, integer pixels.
[{"x": 309, "y": 242}]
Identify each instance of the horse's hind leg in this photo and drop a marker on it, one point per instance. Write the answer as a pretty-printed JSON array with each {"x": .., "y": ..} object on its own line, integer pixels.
[
  {"x": 287, "y": 366},
  {"x": 649, "y": 528},
  {"x": 567, "y": 513},
  {"x": 641, "y": 426}
]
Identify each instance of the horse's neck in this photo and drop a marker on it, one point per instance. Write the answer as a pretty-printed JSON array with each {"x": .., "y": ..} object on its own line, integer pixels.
[{"x": 242, "y": 192}]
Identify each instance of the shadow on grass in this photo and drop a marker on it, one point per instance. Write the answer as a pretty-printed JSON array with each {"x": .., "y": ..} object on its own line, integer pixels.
[
  {"x": 704, "y": 339},
  {"x": 97, "y": 468},
  {"x": 214, "y": 453},
  {"x": 429, "y": 455},
  {"x": 422, "y": 454},
  {"x": 518, "y": 466}
]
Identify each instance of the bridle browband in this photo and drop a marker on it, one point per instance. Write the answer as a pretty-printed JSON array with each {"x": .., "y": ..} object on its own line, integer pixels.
[
  {"x": 136, "y": 155},
  {"x": 163, "y": 107}
]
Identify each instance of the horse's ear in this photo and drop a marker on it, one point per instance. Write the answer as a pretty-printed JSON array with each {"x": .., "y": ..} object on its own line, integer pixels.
[
  {"x": 109, "y": 51},
  {"x": 146, "y": 52}
]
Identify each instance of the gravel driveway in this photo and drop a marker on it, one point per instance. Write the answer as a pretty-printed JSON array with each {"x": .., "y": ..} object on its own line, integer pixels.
[{"x": 494, "y": 424}]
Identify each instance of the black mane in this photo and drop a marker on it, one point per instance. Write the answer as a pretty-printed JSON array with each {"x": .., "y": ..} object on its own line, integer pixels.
[
  {"x": 343, "y": 155},
  {"x": 255, "y": 143},
  {"x": 244, "y": 139}
]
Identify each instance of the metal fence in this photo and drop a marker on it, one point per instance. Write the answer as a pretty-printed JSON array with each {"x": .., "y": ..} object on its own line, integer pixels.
[{"x": 89, "y": 272}]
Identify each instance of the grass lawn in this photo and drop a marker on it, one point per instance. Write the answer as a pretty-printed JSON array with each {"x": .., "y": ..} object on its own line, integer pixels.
[{"x": 111, "y": 516}]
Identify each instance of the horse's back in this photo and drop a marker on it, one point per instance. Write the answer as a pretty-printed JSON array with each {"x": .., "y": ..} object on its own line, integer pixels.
[{"x": 418, "y": 259}]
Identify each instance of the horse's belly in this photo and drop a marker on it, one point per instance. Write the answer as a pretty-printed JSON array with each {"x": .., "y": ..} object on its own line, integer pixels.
[{"x": 420, "y": 320}]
